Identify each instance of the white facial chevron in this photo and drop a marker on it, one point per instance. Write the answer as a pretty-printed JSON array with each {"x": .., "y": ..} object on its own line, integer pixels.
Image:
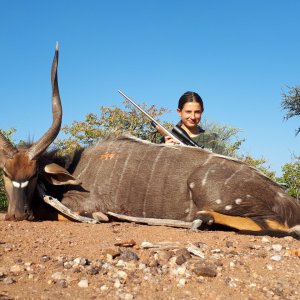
[{"x": 20, "y": 185}]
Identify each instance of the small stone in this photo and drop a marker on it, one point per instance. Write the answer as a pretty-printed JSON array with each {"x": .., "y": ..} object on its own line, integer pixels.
[
  {"x": 181, "y": 282},
  {"x": 180, "y": 260},
  {"x": 277, "y": 247},
  {"x": 127, "y": 296},
  {"x": 163, "y": 257},
  {"x": 57, "y": 276},
  {"x": 276, "y": 257},
  {"x": 146, "y": 245},
  {"x": 117, "y": 283},
  {"x": 270, "y": 267},
  {"x": 103, "y": 288},
  {"x": 128, "y": 256},
  {"x": 92, "y": 271},
  {"x": 17, "y": 269},
  {"x": 62, "y": 283},
  {"x": 45, "y": 258},
  {"x": 184, "y": 252},
  {"x": 181, "y": 270},
  {"x": 265, "y": 240},
  {"x": 231, "y": 282},
  {"x": 229, "y": 244},
  {"x": 68, "y": 265},
  {"x": 83, "y": 283},
  {"x": 122, "y": 275},
  {"x": 145, "y": 257},
  {"x": 204, "y": 270},
  {"x": 216, "y": 251},
  {"x": 77, "y": 260},
  {"x": 111, "y": 254},
  {"x": 8, "y": 280},
  {"x": 80, "y": 261}
]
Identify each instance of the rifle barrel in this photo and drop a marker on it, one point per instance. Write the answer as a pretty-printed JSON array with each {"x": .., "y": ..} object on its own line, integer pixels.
[
  {"x": 139, "y": 108},
  {"x": 154, "y": 123}
]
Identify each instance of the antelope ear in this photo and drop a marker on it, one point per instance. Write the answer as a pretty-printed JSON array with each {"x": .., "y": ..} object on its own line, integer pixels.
[{"x": 58, "y": 175}]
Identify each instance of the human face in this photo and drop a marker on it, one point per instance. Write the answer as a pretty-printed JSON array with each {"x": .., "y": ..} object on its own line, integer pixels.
[{"x": 190, "y": 114}]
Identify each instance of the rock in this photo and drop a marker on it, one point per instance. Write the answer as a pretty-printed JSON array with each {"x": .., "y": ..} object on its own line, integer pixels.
[
  {"x": 117, "y": 283},
  {"x": 83, "y": 283},
  {"x": 45, "y": 258},
  {"x": 8, "y": 280},
  {"x": 180, "y": 260},
  {"x": 92, "y": 270},
  {"x": 62, "y": 283},
  {"x": 184, "y": 252},
  {"x": 181, "y": 282},
  {"x": 80, "y": 261},
  {"x": 58, "y": 276},
  {"x": 229, "y": 244},
  {"x": 269, "y": 267},
  {"x": 128, "y": 296},
  {"x": 163, "y": 257},
  {"x": 103, "y": 288},
  {"x": 205, "y": 270},
  {"x": 196, "y": 250},
  {"x": 146, "y": 245},
  {"x": 17, "y": 269},
  {"x": 277, "y": 247},
  {"x": 122, "y": 275},
  {"x": 265, "y": 240},
  {"x": 128, "y": 256},
  {"x": 276, "y": 257},
  {"x": 111, "y": 254}
]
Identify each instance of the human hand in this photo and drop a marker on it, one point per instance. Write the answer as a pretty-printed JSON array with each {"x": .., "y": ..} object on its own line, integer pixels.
[{"x": 169, "y": 140}]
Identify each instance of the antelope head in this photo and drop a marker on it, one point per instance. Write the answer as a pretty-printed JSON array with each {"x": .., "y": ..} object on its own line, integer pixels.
[{"x": 20, "y": 169}]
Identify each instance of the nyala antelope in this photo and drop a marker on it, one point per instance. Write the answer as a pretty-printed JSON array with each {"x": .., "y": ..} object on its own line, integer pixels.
[{"x": 136, "y": 178}]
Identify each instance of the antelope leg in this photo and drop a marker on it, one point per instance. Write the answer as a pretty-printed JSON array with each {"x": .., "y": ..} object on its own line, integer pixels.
[
  {"x": 152, "y": 221},
  {"x": 240, "y": 223}
]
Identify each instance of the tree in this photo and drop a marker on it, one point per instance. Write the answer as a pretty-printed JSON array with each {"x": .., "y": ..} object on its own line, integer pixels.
[
  {"x": 112, "y": 121},
  {"x": 3, "y": 200},
  {"x": 290, "y": 178},
  {"x": 260, "y": 164},
  {"x": 227, "y": 137},
  {"x": 291, "y": 103}
]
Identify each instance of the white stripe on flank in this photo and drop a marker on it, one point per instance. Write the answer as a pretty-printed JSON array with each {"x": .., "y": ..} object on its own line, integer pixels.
[
  {"x": 150, "y": 177},
  {"x": 234, "y": 174}
]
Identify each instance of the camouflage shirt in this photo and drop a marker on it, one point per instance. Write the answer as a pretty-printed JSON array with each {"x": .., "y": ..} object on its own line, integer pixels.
[{"x": 207, "y": 140}]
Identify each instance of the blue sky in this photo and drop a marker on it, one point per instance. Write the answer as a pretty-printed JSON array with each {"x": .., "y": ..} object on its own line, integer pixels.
[{"x": 238, "y": 55}]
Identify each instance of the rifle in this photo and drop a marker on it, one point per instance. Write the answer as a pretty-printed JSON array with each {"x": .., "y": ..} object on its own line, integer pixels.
[{"x": 178, "y": 134}]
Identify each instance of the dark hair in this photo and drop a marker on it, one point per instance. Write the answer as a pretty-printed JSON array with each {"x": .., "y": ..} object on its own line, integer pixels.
[{"x": 190, "y": 97}]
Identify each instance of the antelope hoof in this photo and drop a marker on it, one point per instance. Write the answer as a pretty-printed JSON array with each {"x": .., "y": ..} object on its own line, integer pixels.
[
  {"x": 97, "y": 215},
  {"x": 204, "y": 221},
  {"x": 295, "y": 232}
]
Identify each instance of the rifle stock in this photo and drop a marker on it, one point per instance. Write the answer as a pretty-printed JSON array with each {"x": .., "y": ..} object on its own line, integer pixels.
[{"x": 178, "y": 134}]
